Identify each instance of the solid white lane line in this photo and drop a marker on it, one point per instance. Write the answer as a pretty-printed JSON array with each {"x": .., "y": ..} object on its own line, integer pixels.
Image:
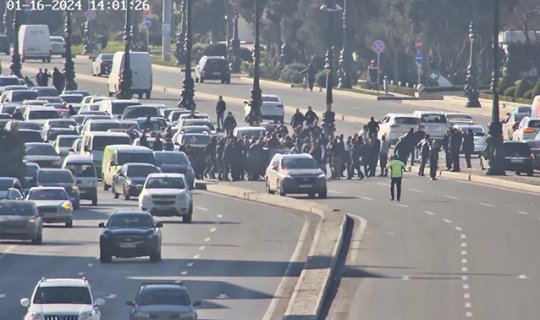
[
  {"x": 416, "y": 190},
  {"x": 213, "y": 229},
  {"x": 334, "y": 191},
  {"x": 522, "y": 212},
  {"x": 207, "y": 239},
  {"x": 451, "y": 197},
  {"x": 366, "y": 198},
  {"x": 402, "y": 205},
  {"x": 201, "y": 208},
  {"x": 447, "y": 220},
  {"x": 430, "y": 213},
  {"x": 487, "y": 205}
]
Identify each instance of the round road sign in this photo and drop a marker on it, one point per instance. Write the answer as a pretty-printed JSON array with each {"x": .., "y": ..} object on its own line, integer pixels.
[
  {"x": 419, "y": 44},
  {"x": 378, "y": 46},
  {"x": 434, "y": 75},
  {"x": 90, "y": 14}
]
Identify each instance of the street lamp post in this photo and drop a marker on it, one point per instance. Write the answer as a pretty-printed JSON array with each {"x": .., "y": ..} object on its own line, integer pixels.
[
  {"x": 254, "y": 116},
  {"x": 180, "y": 52},
  {"x": 69, "y": 66},
  {"x": 15, "y": 56},
  {"x": 495, "y": 139},
  {"x": 235, "y": 46},
  {"x": 88, "y": 44},
  {"x": 124, "y": 92},
  {"x": 188, "y": 90},
  {"x": 345, "y": 57},
  {"x": 471, "y": 89},
  {"x": 227, "y": 34}
]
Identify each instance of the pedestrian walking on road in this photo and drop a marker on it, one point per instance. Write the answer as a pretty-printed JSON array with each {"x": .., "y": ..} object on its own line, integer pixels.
[
  {"x": 372, "y": 127},
  {"x": 468, "y": 146},
  {"x": 45, "y": 76},
  {"x": 229, "y": 123},
  {"x": 383, "y": 155},
  {"x": 397, "y": 168},
  {"x": 446, "y": 147},
  {"x": 455, "y": 147},
  {"x": 297, "y": 119},
  {"x": 58, "y": 79},
  {"x": 39, "y": 77},
  {"x": 221, "y": 106},
  {"x": 434, "y": 159},
  {"x": 310, "y": 116},
  {"x": 424, "y": 147}
]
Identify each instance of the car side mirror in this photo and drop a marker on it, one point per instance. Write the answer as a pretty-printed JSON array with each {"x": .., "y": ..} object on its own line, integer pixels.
[
  {"x": 25, "y": 302},
  {"x": 130, "y": 303},
  {"x": 99, "y": 302},
  {"x": 159, "y": 224},
  {"x": 101, "y": 225},
  {"x": 197, "y": 304}
]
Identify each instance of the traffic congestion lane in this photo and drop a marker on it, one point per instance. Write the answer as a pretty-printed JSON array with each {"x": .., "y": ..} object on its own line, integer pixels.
[{"x": 233, "y": 257}]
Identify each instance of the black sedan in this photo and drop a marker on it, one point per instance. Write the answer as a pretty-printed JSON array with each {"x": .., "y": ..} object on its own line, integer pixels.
[
  {"x": 518, "y": 157},
  {"x": 129, "y": 234},
  {"x": 130, "y": 179}
]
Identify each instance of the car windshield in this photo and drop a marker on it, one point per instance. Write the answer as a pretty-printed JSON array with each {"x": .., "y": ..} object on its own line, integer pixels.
[
  {"x": 137, "y": 112},
  {"x": 62, "y": 295},
  {"x": 171, "y": 158},
  {"x": 107, "y": 57},
  {"x": 47, "y": 194},
  {"x": 130, "y": 221},
  {"x": 99, "y": 143},
  {"x": 30, "y": 136},
  {"x": 433, "y": 118},
  {"x": 190, "y": 122},
  {"x": 195, "y": 129},
  {"x": 299, "y": 163},
  {"x": 155, "y": 124},
  {"x": 270, "y": 99},
  {"x": 21, "y": 95},
  {"x": 66, "y": 141},
  {"x": 119, "y": 107},
  {"x": 58, "y": 176},
  {"x": 195, "y": 139},
  {"x": 16, "y": 209},
  {"x": 43, "y": 114},
  {"x": 62, "y": 124},
  {"x": 216, "y": 63},
  {"x": 28, "y": 125},
  {"x": 176, "y": 115},
  {"x": 6, "y": 183},
  {"x": 516, "y": 149},
  {"x": 407, "y": 120},
  {"x": 46, "y": 92},
  {"x": 534, "y": 124},
  {"x": 165, "y": 183},
  {"x": 72, "y": 99},
  {"x": 8, "y": 81},
  {"x": 163, "y": 296},
  {"x": 40, "y": 149},
  {"x": 455, "y": 117},
  {"x": 57, "y": 39},
  {"x": 524, "y": 109},
  {"x": 519, "y": 116},
  {"x": 82, "y": 170},
  {"x": 104, "y": 126},
  {"x": 140, "y": 171},
  {"x": 127, "y": 157}
]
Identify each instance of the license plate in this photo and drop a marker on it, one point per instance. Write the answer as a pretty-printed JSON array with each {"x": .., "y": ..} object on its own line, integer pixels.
[
  {"x": 82, "y": 191},
  {"x": 216, "y": 73},
  {"x": 127, "y": 245},
  {"x": 516, "y": 160},
  {"x": 305, "y": 186}
]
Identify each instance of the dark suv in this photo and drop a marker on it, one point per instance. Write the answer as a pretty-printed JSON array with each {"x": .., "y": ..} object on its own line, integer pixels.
[
  {"x": 4, "y": 44},
  {"x": 213, "y": 68},
  {"x": 518, "y": 157}
]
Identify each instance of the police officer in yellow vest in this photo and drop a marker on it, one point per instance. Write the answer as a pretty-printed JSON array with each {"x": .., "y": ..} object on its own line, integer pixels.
[{"x": 397, "y": 167}]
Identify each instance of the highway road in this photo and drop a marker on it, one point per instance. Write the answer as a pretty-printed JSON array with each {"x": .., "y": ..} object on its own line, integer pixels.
[{"x": 232, "y": 257}]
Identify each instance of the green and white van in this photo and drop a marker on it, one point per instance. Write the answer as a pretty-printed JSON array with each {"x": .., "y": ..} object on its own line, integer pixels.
[
  {"x": 115, "y": 156},
  {"x": 94, "y": 143}
]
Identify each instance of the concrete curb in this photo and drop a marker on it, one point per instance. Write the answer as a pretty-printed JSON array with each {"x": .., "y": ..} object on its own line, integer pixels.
[
  {"x": 314, "y": 280},
  {"x": 486, "y": 180}
]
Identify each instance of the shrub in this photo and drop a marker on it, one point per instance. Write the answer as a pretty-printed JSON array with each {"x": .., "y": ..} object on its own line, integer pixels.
[
  {"x": 510, "y": 92},
  {"x": 245, "y": 54},
  {"x": 320, "y": 78},
  {"x": 528, "y": 94},
  {"x": 522, "y": 86},
  {"x": 536, "y": 89},
  {"x": 292, "y": 73},
  {"x": 506, "y": 82}
]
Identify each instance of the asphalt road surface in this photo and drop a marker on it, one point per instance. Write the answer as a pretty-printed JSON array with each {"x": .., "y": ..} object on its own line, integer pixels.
[{"x": 232, "y": 258}]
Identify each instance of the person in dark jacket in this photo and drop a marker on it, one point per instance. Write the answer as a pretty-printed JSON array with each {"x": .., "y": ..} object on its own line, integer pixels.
[
  {"x": 417, "y": 136},
  {"x": 355, "y": 155},
  {"x": 71, "y": 110},
  {"x": 45, "y": 76},
  {"x": 17, "y": 115},
  {"x": 468, "y": 146},
  {"x": 455, "y": 146},
  {"x": 372, "y": 127},
  {"x": 401, "y": 150},
  {"x": 221, "y": 106},
  {"x": 424, "y": 147},
  {"x": 434, "y": 159},
  {"x": 158, "y": 144},
  {"x": 297, "y": 119},
  {"x": 256, "y": 159},
  {"x": 168, "y": 145},
  {"x": 310, "y": 116},
  {"x": 375, "y": 148},
  {"x": 143, "y": 142},
  {"x": 446, "y": 147},
  {"x": 58, "y": 79},
  {"x": 229, "y": 123},
  {"x": 273, "y": 142}
]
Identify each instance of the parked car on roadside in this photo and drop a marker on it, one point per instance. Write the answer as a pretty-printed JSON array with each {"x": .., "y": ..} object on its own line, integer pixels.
[
  {"x": 213, "y": 68},
  {"x": 518, "y": 157}
]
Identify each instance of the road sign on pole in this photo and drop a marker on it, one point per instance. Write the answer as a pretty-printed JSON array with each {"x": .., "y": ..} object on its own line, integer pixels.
[
  {"x": 434, "y": 75},
  {"x": 419, "y": 44},
  {"x": 419, "y": 57},
  {"x": 147, "y": 22},
  {"x": 378, "y": 46}
]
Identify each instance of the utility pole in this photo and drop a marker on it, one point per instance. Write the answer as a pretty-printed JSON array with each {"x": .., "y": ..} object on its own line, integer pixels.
[{"x": 166, "y": 30}]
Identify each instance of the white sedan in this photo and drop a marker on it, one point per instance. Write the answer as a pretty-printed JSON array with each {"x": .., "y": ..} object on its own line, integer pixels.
[
  {"x": 167, "y": 195},
  {"x": 271, "y": 108},
  {"x": 527, "y": 130}
]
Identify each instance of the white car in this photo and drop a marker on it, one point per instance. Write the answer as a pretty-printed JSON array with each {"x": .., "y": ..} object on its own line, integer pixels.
[
  {"x": 58, "y": 46},
  {"x": 511, "y": 123},
  {"x": 454, "y": 118},
  {"x": 271, "y": 108},
  {"x": 53, "y": 204},
  {"x": 527, "y": 130},
  {"x": 195, "y": 140},
  {"x": 62, "y": 298},
  {"x": 167, "y": 194},
  {"x": 433, "y": 123},
  {"x": 249, "y": 132},
  {"x": 394, "y": 125}
]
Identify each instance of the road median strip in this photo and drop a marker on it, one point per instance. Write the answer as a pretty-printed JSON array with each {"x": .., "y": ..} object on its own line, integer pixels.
[
  {"x": 314, "y": 280},
  {"x": 492, "y": 181}
]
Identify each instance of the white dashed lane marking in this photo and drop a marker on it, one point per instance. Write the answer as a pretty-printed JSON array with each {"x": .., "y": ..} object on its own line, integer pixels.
[
  {"x": 447, "y": 221},
  {"x": 2, "y": 295},
  {"x": 402, "y": 205},
  {"x": 197, "y": 256},
  {"x": 416, "y": 190},
  {"x": 522, "y": 277},
  {"x": 183, "y": 273},
  {"x": 201, "y": 208},
  {"x": 191, "y": 264},
  {"x": 202, "y": 248},
  {"x": 487, "y": 205},
  {"x": 213, "y": 229},
  {"x": 430, "y": 213},
  {"x": 207, "y": 239},
  {"x": 458, "y": 228},
  {"x": 334, "y": 191},
  {"x": 220, "y": 216},
  {"x": 451, "y": 197},
  {"x": 366, "y": 198},
  {"x": 522, "y": 212}
]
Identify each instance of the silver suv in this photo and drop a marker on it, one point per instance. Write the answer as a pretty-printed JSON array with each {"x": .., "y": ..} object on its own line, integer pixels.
[{"x": 62, "y": 298}]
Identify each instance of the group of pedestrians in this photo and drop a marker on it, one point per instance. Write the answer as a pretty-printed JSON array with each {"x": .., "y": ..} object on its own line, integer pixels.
[{"x": 58, "y": 78}]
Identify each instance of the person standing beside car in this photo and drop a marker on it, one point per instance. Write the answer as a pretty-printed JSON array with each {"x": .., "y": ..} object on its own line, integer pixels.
[
  {"x": 221, "y": 106},
  {"x": 468, "y": 146}
]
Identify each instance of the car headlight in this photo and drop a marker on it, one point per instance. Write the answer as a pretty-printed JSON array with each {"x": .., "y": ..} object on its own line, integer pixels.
[
  {"x": 322, "y": 175},
  {"x": 181, "y": 196},
  {"x": 66, "y": 206},
  {"x": 142, "y": 315},
  {"x": 88, "y": 315},
  {"x": 32, "y": 220},
  {"x": 35, "y": 316},
  {"x": 75, "y": 187}
]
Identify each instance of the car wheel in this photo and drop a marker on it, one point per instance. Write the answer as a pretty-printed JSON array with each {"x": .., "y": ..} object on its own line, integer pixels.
[
  {"x": 94, "y": 201},
  {"x": 38, "y": 239},
  {"x": 126, "y": 194},
  {"x": 148, "y": 94},
  {"x": 518, "y": 173},
  {"x": 187, "y": 218},
  {"x": 268, "y": 188},
  {"x": 201, "y": 80},
  {"x": 23, "y": 59},
  {"x": 322, "y": 195},
  {"x": 279, "y": 191},
  {"x": 228, "y": 81},
  {"x": 140, "y": 95},
  {"x": 43, "y": 60},
  {"x": 69, "y": 224},
  {"x": 104, "y": 258},
  {"x": 49, "y": 60},
  {"x": 155, "y": 257},
  {"x": 223, "y": 81},
  {"x": 110, "y": 94}
]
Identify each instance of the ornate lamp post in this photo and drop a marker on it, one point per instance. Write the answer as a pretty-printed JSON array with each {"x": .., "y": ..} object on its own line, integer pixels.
[
  {"x": 124, "y": 92},
  {"x": 15, "y": 56},
  {"x": 88, "y": 44},
  {"x": 188, "y": 90},
  {"x": 235, "y": 46},
  {"x": 227, "y": 34},
  {"x": 180, "y": 53},
  {"x": 495, "y": 139},
  {"x": 344, "y": 80},
  {"x": 254, "y": 116},
  {"x": 69, "y": 66},
  {"x": 471, "y": 89}
]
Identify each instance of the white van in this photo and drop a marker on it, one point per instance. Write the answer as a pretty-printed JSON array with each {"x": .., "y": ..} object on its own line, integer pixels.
[
  {"x": 84, "y": 171},
  {"x": 93, "y": 144},
  {"x": 35, "y": 42},
  {"x": 141, "y": 73},
  {"x": 115, "y": 107}
]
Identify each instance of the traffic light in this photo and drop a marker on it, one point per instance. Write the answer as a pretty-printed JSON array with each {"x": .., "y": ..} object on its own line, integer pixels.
[{"x": 329, "y": 117}]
